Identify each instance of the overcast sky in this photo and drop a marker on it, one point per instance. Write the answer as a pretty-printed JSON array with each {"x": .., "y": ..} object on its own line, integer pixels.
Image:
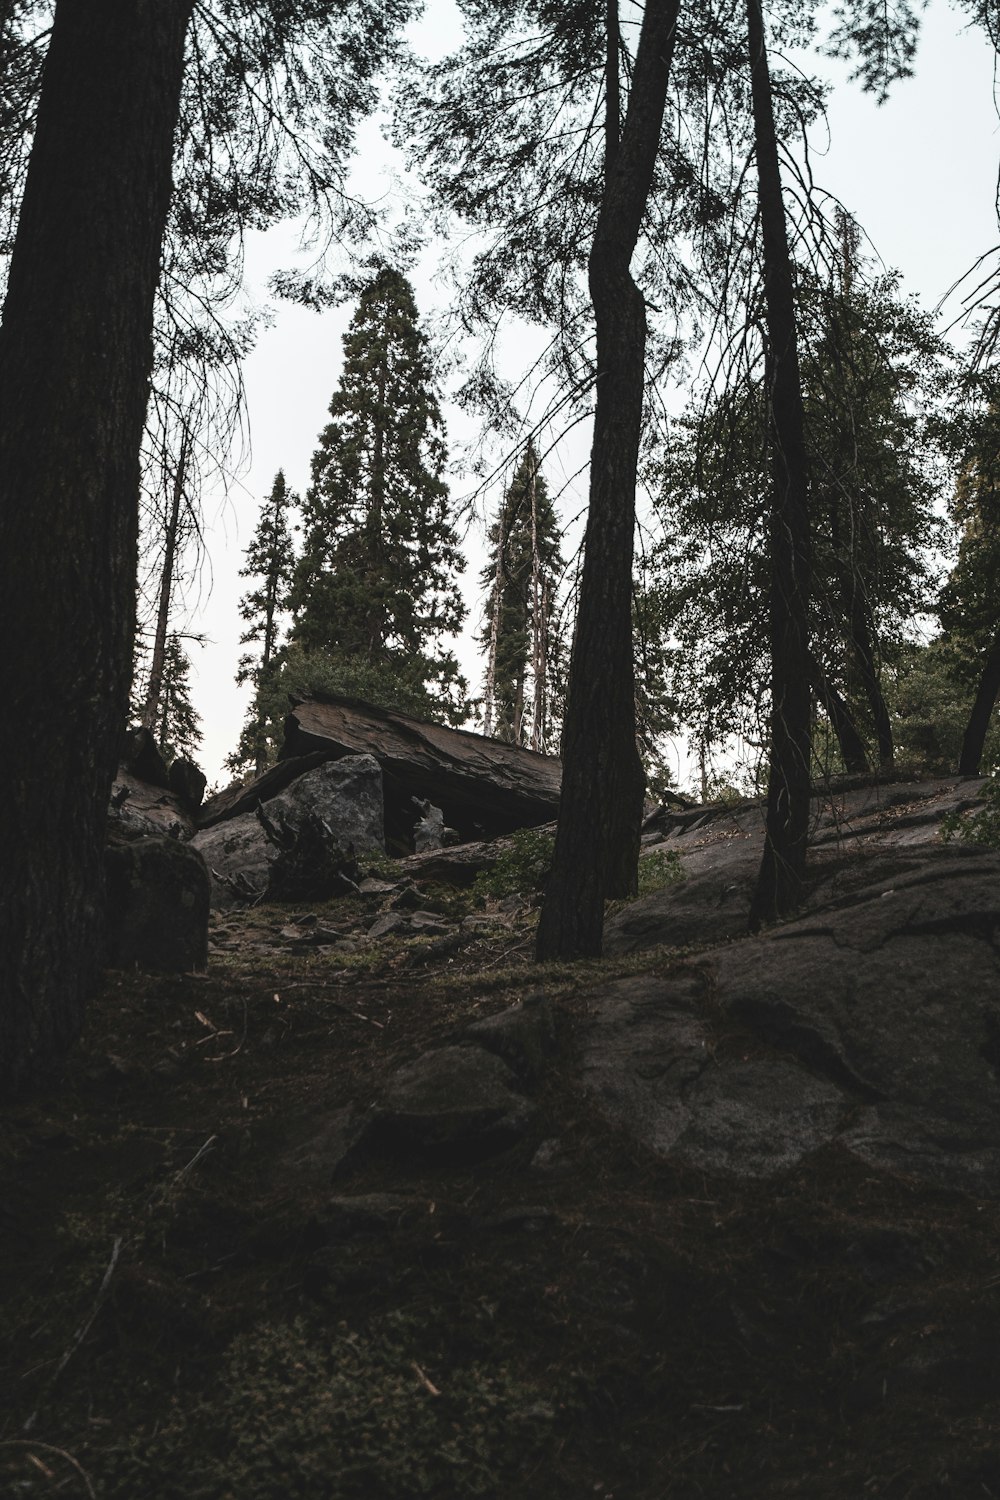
[{"x": 919, "y": 175}]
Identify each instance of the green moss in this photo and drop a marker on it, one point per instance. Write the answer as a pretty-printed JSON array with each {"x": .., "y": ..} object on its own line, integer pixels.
[{"x": 344, "y": 1416}]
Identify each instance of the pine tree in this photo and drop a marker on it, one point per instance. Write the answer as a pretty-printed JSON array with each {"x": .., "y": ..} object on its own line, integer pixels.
[
  {"x": 178, "y": 731},
  {"x": 375, "y": 585},
  {"x": 270, "y": 558},
  {"x": 522, "y": 635}
]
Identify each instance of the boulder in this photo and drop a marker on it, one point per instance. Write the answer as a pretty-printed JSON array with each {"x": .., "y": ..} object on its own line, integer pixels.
[
  {"x": 187, "y": 782},
  {"x": 873, "y": 1023},
  {"x": 455, "y": 1104},
  {"x": 157, "y": 906},
  {"x": 524, "y": 1035},
  {"x": 239, "y": 856},
  {"x": 337, "y": 802},
  {"x": 485, "y": 787},
  {"x": 141, "y": 757},
  {"x": 138, "y": 808}
]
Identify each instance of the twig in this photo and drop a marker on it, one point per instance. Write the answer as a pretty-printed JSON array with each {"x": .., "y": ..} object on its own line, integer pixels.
[
  {"x": 81, "y": 1332},
  {"x": 50, "y": 1448}
]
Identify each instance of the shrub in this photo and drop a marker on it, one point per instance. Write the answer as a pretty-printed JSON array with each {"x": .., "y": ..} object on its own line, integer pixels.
[{"x": 980, "y": 826}]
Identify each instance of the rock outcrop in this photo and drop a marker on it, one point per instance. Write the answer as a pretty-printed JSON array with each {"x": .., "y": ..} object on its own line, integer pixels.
[{"x": 342, "y": 797}]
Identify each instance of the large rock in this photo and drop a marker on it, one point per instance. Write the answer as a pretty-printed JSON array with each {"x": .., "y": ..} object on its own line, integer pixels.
[
  {"x": 344, "y": 797},
  {"x": 874, "y": 1022},
  {"x": 140, "y": 756},
  {"x": 485, "y": 787},
  {"x": 187, "y": 781},
  {"x": 138, "y": 808},
  {"x": 456, "y": 1103},
  {"x": 239, "y": 855},
  {"x": 157, "y": 908}
]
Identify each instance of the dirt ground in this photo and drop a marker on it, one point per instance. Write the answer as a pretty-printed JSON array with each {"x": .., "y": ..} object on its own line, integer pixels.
[{"x": 191, "y": 1305}]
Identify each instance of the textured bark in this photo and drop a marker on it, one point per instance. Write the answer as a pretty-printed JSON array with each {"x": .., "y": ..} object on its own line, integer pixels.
[
  {"x": 597, "y": 843},
  {"x": 779, "y": 884},
  {"x": 979, "y": 719},
  {"x": 75, "y": 355}
]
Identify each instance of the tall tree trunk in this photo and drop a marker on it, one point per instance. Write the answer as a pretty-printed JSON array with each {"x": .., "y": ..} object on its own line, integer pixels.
[
  {"x": 151, "y": 708},
  {"x": 75, "y": 357},
  {"x": 851, "y": 744},
  {"x": 979, "y": 719},
  {"x": 597, "y": 841},
  {"x": 779, "y": 884},
  {"x": 863, "y": 644}
]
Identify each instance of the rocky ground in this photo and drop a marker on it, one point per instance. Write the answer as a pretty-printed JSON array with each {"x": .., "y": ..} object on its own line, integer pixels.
[{"x": 380, "y": 1208}]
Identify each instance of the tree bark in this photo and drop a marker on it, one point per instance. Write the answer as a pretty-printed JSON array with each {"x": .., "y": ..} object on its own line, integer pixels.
[
  {"x": 597, "y": 842},
  {"x": 75, "y": 358},
  {"x": 974, "y": 738},
  {"x": 863, "y": 642},
  {"x": 851, "y": 744},
  {"x": 779, "y": 884}
]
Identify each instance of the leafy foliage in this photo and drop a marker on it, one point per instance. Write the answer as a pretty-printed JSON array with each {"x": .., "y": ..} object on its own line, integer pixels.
[
  {"x": 981, "y": 826},
  {"x": 522, "y": 868},
  {"x": 874, "y": 376}
]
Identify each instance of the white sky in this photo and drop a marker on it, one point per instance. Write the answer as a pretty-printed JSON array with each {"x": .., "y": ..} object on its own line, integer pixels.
[{"x": 919, "y": 175}]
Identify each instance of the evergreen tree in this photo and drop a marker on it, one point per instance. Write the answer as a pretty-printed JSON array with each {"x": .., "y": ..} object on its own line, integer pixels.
[
  {"x": 376, "y": 580},
  {"x": 270, "y": 558},
  {"x": 178, "y": 731},
  {"x": 522, "y": 637}
]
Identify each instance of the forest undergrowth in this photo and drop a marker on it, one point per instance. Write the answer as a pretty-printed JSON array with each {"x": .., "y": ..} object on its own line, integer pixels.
[{"x": 191, "y": 1306}]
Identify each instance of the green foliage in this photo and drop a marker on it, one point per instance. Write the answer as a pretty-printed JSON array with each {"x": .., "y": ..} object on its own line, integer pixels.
[
  {"x": 294, "y": 673},
  {"x": 969, "y": 607},
  {"x": 929, "y": 696},
  {"x": 345, "y": 1416},
  {"x": 981, "y": 826},
  {"x": 659, "y": 869},
  {"x": 375, "y": 584},
  {"x": 524, "y": 865},
  {"x": 874, "y": 379},
  {"x": 522, "y": 868},
  {"x": 178, "y": 730}
]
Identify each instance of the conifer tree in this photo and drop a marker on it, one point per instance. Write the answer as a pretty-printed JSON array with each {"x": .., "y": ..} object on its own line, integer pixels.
[
  {"x": 270, "y": 558},
  {"x": 375, "y": 585},
  {"x": 522, "y": 635},
  {"x": 178, "y": 731}
]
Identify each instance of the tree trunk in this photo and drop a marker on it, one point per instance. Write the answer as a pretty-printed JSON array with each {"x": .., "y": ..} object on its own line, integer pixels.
[
  {"x": 75, "y": 357},
  {"x": 779, "y": 884},
  {"x": 851, "y": 744},
  {"x": 151, "y": 707},
  {"x": 979, "y": 719},
  {"x": 863, "y": 643},
  {"x": 597, "y": 842}
]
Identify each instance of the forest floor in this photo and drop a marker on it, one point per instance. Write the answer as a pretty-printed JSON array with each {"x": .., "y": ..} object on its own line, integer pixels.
[{"x": 190, "y": 1307}]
